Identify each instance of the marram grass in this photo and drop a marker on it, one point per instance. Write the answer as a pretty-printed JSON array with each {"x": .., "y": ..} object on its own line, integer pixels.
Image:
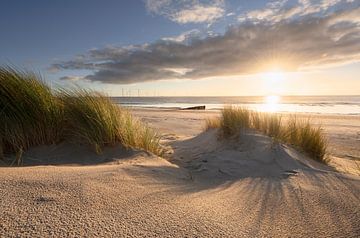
[
  {"x": 212, "y": 122},
  {"x": 299, "y": 133},
  {"x": 31, "y": 114},
  {"x": 234, "y": 119},
  {"x": 93, "y": 119},
  {"x": 90, "y": 118}
]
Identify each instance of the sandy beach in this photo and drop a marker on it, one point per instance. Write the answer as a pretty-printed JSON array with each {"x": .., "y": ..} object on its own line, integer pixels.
[
  {"x": 342, "y": 131},
  {"x": 204, "y": 187},
  {"x": 191, "y": 118}
]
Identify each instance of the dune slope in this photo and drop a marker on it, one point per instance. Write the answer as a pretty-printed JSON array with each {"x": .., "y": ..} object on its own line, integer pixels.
[{"x": 248, "y": 187}]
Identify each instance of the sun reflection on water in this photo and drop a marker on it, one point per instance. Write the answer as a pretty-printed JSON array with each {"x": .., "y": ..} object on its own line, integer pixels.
[{"x": 271, "y": 103}]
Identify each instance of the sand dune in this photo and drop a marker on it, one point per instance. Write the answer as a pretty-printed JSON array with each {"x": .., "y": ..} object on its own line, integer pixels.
[
  {"x": 246, "y": 187},
  {"x": 250, "y": 155},
  {"x": 343, "y": 131}
]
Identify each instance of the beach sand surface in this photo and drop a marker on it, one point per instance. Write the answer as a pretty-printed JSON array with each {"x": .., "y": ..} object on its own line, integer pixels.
[{"x": 204, "y": 187}]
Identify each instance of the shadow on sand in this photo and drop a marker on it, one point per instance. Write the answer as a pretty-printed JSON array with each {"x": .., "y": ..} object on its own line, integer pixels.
[{"x": 71, "y": 154}]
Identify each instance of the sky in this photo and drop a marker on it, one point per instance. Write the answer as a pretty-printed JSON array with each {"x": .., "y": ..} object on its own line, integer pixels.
[{"x": 187, "y": 47}]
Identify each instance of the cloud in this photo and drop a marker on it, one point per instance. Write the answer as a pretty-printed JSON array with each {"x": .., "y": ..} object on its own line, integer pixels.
[
  {"x": 71, "y": 78},
  {"x": 185, "y": 36},
  {"x": 284, "y": 9},
  {"x": 247, "y": 48},
  {"x": 187, "y": 11}
]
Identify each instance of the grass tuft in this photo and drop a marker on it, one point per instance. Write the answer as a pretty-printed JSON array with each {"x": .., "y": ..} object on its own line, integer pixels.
[
  {"x": 93, "y": 119},
  {"x": 234, "y": 119},
  {"x": 90, "y": 118},
  {"x": 31, "y": 114},
  {"x": 300, "y": 134},
  {"x": 212, "y": 123},
  {"x": 312, "y": 140}
]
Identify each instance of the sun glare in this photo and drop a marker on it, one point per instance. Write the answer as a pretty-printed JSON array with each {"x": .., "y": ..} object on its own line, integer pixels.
[
  {"x": 271, "y": 103},
  {"x": 274, "y": 78},
  {"x": 272, "y": 99},
  {"x": 273, "y": 82}
]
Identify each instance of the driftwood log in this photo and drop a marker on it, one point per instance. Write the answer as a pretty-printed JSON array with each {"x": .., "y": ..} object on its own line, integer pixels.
[{"x": 194, "y": 108}]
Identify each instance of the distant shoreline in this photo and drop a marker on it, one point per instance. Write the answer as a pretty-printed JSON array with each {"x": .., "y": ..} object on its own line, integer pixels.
[{"x": 337, "y": 105}]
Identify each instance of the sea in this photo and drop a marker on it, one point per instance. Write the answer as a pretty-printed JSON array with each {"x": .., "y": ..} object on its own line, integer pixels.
[{"x": 343, "y": 105}]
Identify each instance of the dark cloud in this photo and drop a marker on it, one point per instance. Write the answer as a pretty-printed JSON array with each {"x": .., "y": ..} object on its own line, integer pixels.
[{"x": 244, "y": 49}]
